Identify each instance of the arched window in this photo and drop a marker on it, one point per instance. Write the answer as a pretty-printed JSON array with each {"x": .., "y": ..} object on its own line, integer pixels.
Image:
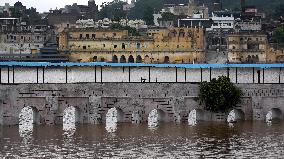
[
  {"x": 114, "y": 59},
  {"x": 95, "y": 58},
  {"x": 130, "y": 59},
  {"x": 167, "y": 59},
  {"x": 147, "y": 59},
  {"x": 139, "y": 59},
  {"x": 122, "y": 59}
]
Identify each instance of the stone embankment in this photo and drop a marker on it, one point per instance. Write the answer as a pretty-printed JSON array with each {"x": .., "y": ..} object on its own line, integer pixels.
[{"x": 131, "y": 102}]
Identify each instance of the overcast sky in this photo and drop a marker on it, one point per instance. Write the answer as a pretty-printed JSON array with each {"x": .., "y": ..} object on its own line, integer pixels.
[{"x": 45, "y": 5}]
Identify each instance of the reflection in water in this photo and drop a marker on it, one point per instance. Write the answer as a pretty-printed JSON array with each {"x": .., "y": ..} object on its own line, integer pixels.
[
  {"x": 69, "y": 121},
  {"x": 192, "y": 118},
  {"x": 153, "y": 119},
  {"x": 268, "y": 117},
  {"x": 205, "y": 140},
  {"x": 26, "y": 122},
  {"x": 112, "y": 118}
]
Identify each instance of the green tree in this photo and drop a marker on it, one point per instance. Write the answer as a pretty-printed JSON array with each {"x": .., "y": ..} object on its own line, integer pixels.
[
  {"x": 167, "y": 16},
  {"x": 112, "y": 10},
  {"x": 219, "y": 95},
  {"x": 279, "y": 35},
  {"x": 144, "y": 9}
]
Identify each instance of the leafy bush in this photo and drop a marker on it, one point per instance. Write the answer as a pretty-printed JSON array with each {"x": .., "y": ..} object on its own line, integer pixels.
[{"x": 219, "y": 95}]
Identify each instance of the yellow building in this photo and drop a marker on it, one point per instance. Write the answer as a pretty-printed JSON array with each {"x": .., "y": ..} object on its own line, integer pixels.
[
  {"x": 252, "y": 48},
  {"x": 247, "y": 48},
  {"x": 176, "y": 45}
]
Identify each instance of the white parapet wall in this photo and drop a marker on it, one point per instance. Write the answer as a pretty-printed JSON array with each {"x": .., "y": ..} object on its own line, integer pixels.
[{"x": 106, "y": 74}]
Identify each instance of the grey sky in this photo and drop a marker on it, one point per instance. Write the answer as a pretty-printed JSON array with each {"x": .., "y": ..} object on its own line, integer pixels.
[{"x": 45, "y": 5}]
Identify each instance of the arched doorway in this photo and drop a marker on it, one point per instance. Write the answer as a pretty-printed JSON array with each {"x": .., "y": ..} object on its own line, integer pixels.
[
  {"x": 249, "y": 60},
  {"x": 122, "y": 59},
  {"x": 236, "y": 115},
  {"x": 130, "y": 59},
  {"x": 167, "y": 59},
  {"x": 114, "y": 59},
  {"x": 71, "y": 117},
  {"x": 113, "y": 117},
  {"x": 274, "y": 114},
  {"x": 195, "y": 116},
  {"x": 147, "y": 59},
  {"x": 27, "y": 118},
  {"x": 155, "y": 117},
  {"x": 139, "y": 59},
  {"x": 95, "y": 59}
]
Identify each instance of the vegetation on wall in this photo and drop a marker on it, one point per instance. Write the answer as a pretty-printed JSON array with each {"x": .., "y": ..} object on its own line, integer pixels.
[
  {"x": 219, "y": 95},
  {"x": 131, "y": 31}
]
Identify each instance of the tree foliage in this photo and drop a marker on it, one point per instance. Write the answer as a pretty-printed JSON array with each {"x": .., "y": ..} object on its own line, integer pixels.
[
  {"x": 30, "y": 16},
  {"x": 144, "y": 9},
  {"x": 279, "y": 35},
  {"x": 219, "y": 95},
  {"x": 112, "y": 10},
  {"x": 279, "y": 10},
  {"x": 167, "y": 16}
]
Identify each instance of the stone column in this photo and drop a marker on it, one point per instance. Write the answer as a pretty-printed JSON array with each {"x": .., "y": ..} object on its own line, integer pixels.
[
  {"x": 95, "y": 106},
  {"x": 258, "y": 113},
  {"x": 178, "y": 104},
  {"x": 51, "y": 108},
  {"x": 138, "y": 111}
]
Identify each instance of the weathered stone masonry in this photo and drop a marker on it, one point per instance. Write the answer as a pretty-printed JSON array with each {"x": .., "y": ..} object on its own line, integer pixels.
[{"x": 136, "y": 100}]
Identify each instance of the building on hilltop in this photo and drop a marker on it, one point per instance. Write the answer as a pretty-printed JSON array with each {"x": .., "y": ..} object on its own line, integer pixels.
[
  {"x": 56, "y": 17},
  {"x": 9, "y": 24},
  {"x": 71, "y": 13},
  {"x": 161, "y": 45}
]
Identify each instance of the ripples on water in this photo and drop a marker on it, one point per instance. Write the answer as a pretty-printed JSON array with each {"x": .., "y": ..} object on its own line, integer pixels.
[{"x": 242, "y": 140}]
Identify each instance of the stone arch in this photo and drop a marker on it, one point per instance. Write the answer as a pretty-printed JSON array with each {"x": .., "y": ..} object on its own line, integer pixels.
[
  {"x": 167, "y": 59},
  {"x": 249, "y": 59},
  {"x": 195, "y": 116},
  {"x": 71, "y": 116},
  {"x": 122, "y": 59},
  {"x": 139, "y": 59},
  {"x": 114, "y": 115},
  {"x": 235, "y": 115},
  {"x": 95, "y": 58},
  {"x": 274, "y": 114},
  {"x": 155, "y": 117},
  {"x": 114, "y": 59},
  {"x": 130, "y": 59},
  {"x": 147, "y": 59},
  {"x": 28, "y": 116}
]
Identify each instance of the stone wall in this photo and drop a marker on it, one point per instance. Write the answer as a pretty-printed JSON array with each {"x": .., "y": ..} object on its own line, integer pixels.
[{"x": 135, "y": 100}]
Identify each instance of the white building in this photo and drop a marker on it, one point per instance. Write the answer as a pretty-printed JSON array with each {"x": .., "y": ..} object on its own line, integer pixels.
[
  {"x": 89, "y": 23},
  {"x": 222, "y": 22}
]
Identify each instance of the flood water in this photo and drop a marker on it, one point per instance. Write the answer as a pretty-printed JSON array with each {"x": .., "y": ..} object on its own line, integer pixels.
[{"x": 205, "y": 140}]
